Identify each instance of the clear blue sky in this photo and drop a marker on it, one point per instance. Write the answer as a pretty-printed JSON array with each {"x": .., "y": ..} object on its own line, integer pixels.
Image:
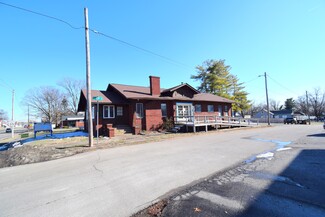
[{"x": 286, "y": 39}]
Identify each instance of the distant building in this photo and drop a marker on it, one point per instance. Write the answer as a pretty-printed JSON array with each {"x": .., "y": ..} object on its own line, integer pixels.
[
  {"x": 73, "y": 121},
  {"x": 263, "y": 114}
]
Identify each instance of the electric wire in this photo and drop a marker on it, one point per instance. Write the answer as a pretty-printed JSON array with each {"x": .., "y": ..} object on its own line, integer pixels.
[
  {"x": 139, "y": 48},
  {"x": 246, "y": 82},
  {"x": 43, "y": 15},
  {"x": 6, "y": 85},
  {"x": 284, "y": 87},
  {"x": 100, "y": 33}
]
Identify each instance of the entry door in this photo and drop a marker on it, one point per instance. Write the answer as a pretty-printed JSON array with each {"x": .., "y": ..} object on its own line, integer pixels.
[{"x": 184, "y": 112}]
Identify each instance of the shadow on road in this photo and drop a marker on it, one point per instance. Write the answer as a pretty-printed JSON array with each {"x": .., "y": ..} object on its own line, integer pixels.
[
  {"x": 298, "y": 191},
  {"x": 317, "y": 135}
]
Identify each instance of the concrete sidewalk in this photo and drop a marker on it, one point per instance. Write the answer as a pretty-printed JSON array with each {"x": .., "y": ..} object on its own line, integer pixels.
[{"x": 122, "y": 181}]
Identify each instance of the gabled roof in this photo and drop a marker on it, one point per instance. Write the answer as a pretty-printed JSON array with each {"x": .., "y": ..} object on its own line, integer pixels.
[
  {"x": 108, "y": 96},
  {"x": 282, "y": 112},
  {"x": 264, "y": 110},
  {"x": 139, "y": 92},
  {"x": 180, "y": 86},
  {"x": 131, "y": 92}
]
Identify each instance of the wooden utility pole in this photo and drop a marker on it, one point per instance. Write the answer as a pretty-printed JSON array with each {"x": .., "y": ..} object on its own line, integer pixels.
[
  {"x": 307, "y": 107},
  {"x": 89, "y": 108},
  {"x": 267, "y": 101},
  {"x": 12, "y": 115}
]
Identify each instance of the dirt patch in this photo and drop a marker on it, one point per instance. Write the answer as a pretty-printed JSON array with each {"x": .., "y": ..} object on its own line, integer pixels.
[
  {"x": 154, "y": 210},
  {"x": 51, "y": 149}
]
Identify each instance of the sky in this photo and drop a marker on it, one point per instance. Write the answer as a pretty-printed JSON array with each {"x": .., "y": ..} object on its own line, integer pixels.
[{"x": 285, "y": 39}]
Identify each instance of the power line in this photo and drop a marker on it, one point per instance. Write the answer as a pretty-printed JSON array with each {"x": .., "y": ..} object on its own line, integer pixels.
[
  {"x": 6, "y": 84},
  {"x": 246, "y": 82},
  {"x": 139, "y": 48},
  {"x": 281, "y": 85},
  {"x": 43, "y": 15},
  {"x": 99, "y": 33}
]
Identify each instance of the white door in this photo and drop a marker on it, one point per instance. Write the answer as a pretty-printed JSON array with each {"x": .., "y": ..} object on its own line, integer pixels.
[{"x": 183, "y": 112}]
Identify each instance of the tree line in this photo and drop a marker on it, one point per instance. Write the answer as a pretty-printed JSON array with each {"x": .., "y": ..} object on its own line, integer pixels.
[
  {"x": 214, "y": 77},
  {"x": 51, "y": 103},
  {"x": 312, "y": 103}
]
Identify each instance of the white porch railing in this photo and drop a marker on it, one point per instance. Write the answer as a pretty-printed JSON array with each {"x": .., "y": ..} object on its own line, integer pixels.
[{"x": 202, "y": 120}]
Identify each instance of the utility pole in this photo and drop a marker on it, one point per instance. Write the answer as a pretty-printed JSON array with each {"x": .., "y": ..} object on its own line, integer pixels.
[
  {"x": 28, "y": 118},
  {"x": 12, "y": 115},
  {"x": 307, "y": 107},
  {"x": 89, "y": 108},
  {"x": 267, "y": 99}
]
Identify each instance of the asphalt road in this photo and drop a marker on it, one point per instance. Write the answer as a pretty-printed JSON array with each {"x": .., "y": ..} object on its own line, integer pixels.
[
  {"x": 122, "y": 181},
  {"x": 291, "y": 183}
]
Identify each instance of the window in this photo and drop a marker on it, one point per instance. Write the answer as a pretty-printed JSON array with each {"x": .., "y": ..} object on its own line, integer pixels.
[
  {"x": 119, "y": 111},
  {"x": 163, "y": 107},
  {"x": 226, "y": 110},
  {"x": 220, "y": 110},
  {"x": 210, "y": 108},
  {"x": 108, "y": 111},
  {"x": 198, "y": 108},
  {"x": 139, "y": 110}
]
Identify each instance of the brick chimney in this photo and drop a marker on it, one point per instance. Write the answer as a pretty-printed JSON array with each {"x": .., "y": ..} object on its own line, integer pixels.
[{"x": 154, "y": 85}]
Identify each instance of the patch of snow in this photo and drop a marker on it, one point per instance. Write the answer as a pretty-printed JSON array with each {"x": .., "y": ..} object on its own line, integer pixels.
[
  {"x": 284, "y": 149},
  {"x": 267, "y": 155}
]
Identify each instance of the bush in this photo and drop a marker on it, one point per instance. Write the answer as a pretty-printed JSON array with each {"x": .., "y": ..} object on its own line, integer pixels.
[{"x": 168, "y": 123}]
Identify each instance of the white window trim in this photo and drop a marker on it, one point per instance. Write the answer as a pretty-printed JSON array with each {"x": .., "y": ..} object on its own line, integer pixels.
[{"x": 111, "y": 106}]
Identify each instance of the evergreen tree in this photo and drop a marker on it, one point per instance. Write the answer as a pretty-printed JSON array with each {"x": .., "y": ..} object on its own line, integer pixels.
[
  {"x": 215, "y": 78},
  {"x": 289, "y": 104}
]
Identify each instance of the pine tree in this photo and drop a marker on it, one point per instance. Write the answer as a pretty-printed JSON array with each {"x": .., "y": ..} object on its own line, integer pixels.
[{"x": 215, "y": 78}]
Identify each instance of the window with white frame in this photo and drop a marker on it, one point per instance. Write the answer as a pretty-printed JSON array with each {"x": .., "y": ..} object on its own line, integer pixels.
[
  {"x": 108, "y": 111},
  {"x": 163, "y": 109},
  {"x": 198, "y": 108},
  {"x": 119, "y": 111},
  {"x": 210, "y": 108},
  {"x": 139, "y": 110}
]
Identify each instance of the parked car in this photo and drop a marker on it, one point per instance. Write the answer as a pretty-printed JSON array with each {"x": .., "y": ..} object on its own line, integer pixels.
[
  {"x": 290, "y": 121},
  {"x": 324, "y": 125},
  {"x": 8, "y": 130}
]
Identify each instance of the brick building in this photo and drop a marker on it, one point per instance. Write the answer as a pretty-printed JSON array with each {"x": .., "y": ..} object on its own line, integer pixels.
[{"x": 146, "y": 108}]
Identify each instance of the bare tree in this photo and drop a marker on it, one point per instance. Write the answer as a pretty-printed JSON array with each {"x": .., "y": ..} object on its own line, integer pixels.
[
  {"x": 275, "y": 105},
  {"x": 45, "y": 102},
  {"x": 301, "y": 105},
  {"x": 72, "y": 88},
  {"x": 317, "y": 102},
  {"x": 255, "y": 108},
  {"x": 3, "y": 115}
]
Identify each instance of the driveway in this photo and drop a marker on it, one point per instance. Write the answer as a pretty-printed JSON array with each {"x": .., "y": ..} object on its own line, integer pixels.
[{"x": 122, "y": 181}]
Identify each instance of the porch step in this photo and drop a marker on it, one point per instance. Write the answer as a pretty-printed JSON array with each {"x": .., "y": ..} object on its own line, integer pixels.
[{"x": 123, "y": 129}]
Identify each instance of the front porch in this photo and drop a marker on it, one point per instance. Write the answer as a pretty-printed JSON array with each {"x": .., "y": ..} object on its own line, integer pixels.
[{"x": 213, "y": 120}]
